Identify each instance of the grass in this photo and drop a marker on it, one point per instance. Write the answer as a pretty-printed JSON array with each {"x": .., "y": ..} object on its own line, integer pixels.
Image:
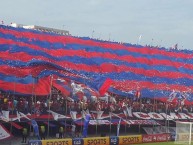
[
  {"x": 159, "y": 143},
  {"x": 162, "y": 143}
]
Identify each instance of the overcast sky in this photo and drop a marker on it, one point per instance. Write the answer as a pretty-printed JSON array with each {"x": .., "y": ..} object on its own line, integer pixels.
[{"x": 167, "y": 22}]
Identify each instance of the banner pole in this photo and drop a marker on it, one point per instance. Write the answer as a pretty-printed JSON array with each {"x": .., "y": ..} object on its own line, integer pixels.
[
  {"x": 81, "y": 124},
  {"x": 12, "y": 108},
  {"x": 140, "y": 103},
  {"x": 166, "y": 116},
  {"x": 50, "y": 96},
  {"x": 66, "y": 113},
  {"x": 97, "y": 123},
  {"x": 110, "y": 121},
  {"x": 126, "y": 113},
  {"x": 33, "y": 92}
]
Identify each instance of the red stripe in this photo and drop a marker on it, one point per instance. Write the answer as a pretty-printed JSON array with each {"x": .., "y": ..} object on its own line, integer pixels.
[
  {"x": 71, "y": 40},
  {"x": 83, "y": 53},
  {"x": 105, "y": 86},
  {"x": 132, "y": 85},
  {"x": 103, "y": 68},
  {"x": 63, "y": 90},
  {"x": 41, "y": 88},
  {"x": 16, "y": 125},
  {"x": 10, "y": 135}
]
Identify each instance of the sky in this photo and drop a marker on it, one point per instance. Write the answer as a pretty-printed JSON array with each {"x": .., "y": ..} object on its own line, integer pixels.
[{"x": 158, "y": 22}]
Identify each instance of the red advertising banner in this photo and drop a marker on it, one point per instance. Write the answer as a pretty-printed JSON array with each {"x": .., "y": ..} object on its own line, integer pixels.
[{"x": 156, "y": 138}]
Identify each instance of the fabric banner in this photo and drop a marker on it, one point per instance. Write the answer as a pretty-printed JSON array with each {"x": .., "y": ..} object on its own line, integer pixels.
[
  {"x": 36, "y": 129},
  {"x": 159, "y": 130},
  {"x": 3, "y": 133},
  {"x": 4, "y": 115},
  {"x": 24, "y": 86},
  {"x": 86, "y": 122},
  {"x": 120, "y": 67}
]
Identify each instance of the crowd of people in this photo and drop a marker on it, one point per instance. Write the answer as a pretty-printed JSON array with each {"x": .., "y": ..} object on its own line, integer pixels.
[{"x": 63, "y": 104}]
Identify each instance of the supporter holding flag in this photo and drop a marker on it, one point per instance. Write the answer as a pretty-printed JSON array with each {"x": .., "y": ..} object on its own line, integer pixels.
[
  {"x": 172, "y": 96},
  {"x": 181, "y": 101},
  {"x": 76, "y": 87},
  {"x": 138, "y": 94},
  {"x": 63, "y": 86}
]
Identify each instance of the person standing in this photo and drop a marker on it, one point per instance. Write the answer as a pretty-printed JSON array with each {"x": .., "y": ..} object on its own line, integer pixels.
[
  {"x": 61, "y": 132},
  {"x": 42, "y": 132},
  {"x": 73, "y": 130},
  {"x": 24, "y": 135}
]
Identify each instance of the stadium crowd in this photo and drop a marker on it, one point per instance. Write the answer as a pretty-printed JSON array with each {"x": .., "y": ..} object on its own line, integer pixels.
[{"x": 63, "y": 104}]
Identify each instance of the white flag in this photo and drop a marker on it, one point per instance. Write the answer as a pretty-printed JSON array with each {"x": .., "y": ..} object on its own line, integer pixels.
[
  {"x": 73, "y": 115},
  {"x": 139, "y": 40},
  {"x": 129, "y": 111},
  {"x": 172, "y": 96},
  {"x": 3, "y": 133},
  {"x": 5, "y": 114}
]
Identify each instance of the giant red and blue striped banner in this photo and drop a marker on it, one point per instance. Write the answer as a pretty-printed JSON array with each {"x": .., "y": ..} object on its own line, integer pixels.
[{"x": 154, "y": 71}]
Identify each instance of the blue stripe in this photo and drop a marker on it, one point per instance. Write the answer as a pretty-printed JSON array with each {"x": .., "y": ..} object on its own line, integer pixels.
[
  {"x": 94, "y": 40},
  {"x": 25, "y": 80},
  {"x": 120, "y": 52},
  {"x": 113, "y": 75},
  {"x": 93, "y": 61}
]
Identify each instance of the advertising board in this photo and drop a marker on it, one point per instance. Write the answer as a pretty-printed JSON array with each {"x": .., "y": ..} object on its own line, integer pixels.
[
  {"x": 57, "y": 142},
  {"x": 156, "y": 138},
  {"x": 96, "y": 141},
  {"x": 131, "y": 139}
]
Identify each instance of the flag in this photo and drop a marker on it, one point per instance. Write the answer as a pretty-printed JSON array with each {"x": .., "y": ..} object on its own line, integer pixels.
[
  {"x": 105, "y": 86},
  {"x": 73, "y": 115},
  {"x": 172, "y": 96},
  {"x": 42, "y": 54},
  {"x": 35, "y": 128},
  {"x": 4, "y": 115},
  {"x": 76, "y": 87},
  {"x": 182, "y": 98},
  {"x": 25, "y": 85},
  {"x": 176, "y": 46},
  {"x": 63, "y": 86},
  {"x": 137, "y": 94},
  {"x": 139, "y": 40},
  {"x": 129, "y": 111},
  {"x": 101, "y": 84},
  {"x": 4, "y": 134},
  {"x": 85, "y": 127}
]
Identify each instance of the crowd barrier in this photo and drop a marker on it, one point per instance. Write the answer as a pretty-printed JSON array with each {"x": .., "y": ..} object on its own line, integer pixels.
[{"x": 112, "y": 140}]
